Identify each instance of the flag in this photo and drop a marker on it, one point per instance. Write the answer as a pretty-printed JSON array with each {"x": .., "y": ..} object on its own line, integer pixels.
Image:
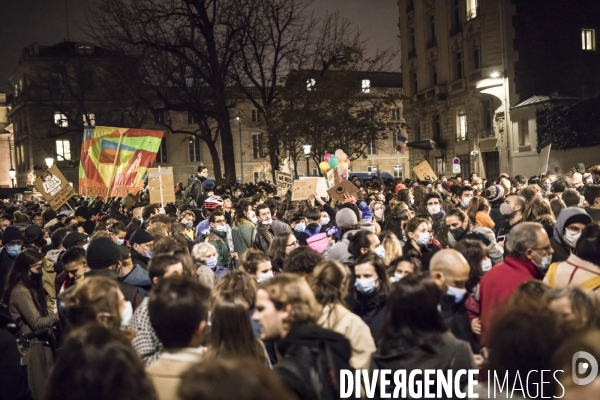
[{"x": 117, "y": 158}]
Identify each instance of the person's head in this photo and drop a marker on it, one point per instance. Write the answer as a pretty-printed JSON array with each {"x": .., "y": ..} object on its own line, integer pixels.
[
  {"x": 403, "y": 266},
  {"x": 451, "y": 272},
  {"x": 243, "y": 212},
  {"x": 96, "y": 299},
  {"x": 433, "y": 201},
  {"x": 57, "y": 237},
  {"x": 239, "y": 282},
  {"x": 178, "y": 309},
  {"x": 187, "y": 218},
  {"x": 74, "y": 263},
  {"x": 103, "y": 253},
  {"x": 163, "y": 266},
  {"x": 529, "y": 241},
  {"x": 282, "y": 245},
  {"x": 370, "y": 276},
  {"x": 169, "y": 245},
  {"x": 257, "y": 264},
  {"x": 377, "y": 208},
  {"x": 569, "y": 226},
  {"x": 5, "y": 221},
  {"x": 263, "y": 212},
  {"x": 312, "y": 215},
  {"x": 141, "y": 242},
  {"x": 477, "y": 204},
  {"x": 392, "y": 247},
  {"x": 205, "y": 253},
  {"x": 571, "y": 197},
  {"x": 217, "y": 221},
  {"x": 477, "y": 257},
  {"x": 513, "y": 206},
  {"x": 560, "y": 185},
  {"x": 27, "y": 270},
  {"x": 213, "y": 379},
  {"x": 12, "y": 240},
  {"x": 202, "y": 171},
  {"x": 417, "y": 231},
  {"x": 457, "y": 223},
  {"x": 302, "y": 260},
  {"x": 283, "y": 303},
  {"x": 591, "y": 193},
  {"x": 464, "y": 194},
  {"x": 329, "y": 282},
  {"x": 574, "y": 306},
  {"x": 588, "y": 245},
  {"x": 362, "y": 242},
  {"x": 117, "y": 232},
  {"x": 37, "y": 219},
  {"x": 411, "y": 313},
  {"x": 535, "y": 209},
  {"x": 149, "y": 211},
  {"x": 573, "y": 374},
  {"x": 96, "y": 362}
]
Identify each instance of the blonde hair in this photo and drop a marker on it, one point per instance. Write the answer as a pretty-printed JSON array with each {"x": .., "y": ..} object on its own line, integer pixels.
[
  {"x": 91, "y": 296},
  {"x": 392, "y": 246},
  {"x": 186, "y": 213}
]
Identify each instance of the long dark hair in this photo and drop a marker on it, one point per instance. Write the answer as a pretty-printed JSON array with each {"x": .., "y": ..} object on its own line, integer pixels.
[
  {"x": 474, "y": 252},
  {"x": 240, "y": 210},
  {"x": 19, "y": 273},
  {"x": 278, "y": 246},
  {"x": 412, "y": 315},
  {"x": 383, "y": 289}
]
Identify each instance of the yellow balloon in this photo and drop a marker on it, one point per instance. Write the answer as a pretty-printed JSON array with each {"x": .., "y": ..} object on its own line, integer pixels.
[
  {"x": 343, "y": 166},
  {"x": 324, "y": 166}
]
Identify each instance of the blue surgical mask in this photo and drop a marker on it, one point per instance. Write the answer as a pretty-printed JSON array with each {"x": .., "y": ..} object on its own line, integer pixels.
[
  {"x": 458, "y": 293},
  {"x": 365, "y": 285},
  {"x": 254, "y": 220},
  {"x": 325, "y": 221},
  {"x": 265, "y": 277},
  {"x": 465, "y": 201},
  {"x": 120, "y": 242},
  {"x": 189, "y": 225},
  {"x": 13, "y": 250},
  {"x": 424, "y": 238},
  {"x": 211, "y": 262},
  {"x": 380, "y": 252},
  {"x": 300, "y": 227},
  {"x": 397, "y": 276},
  {"x": 148, "y": 253}
]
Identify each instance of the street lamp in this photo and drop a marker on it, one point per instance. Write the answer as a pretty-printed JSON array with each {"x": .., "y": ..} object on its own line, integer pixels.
[
  {"x": 49, "y": 162},
  {"x": 306, "y": 149},
  {"x": 12, "y": 173},
  {"x": 495, "y": 74},
  {"x": 239, "y": 120}
]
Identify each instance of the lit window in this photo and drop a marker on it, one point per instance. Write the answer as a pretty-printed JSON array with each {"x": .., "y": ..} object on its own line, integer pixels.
[
  {"x": 396, "y": 114},
  {"x": 458, "y": 58},
  {"x": 91, "y": 118},
  {"x": 588, "y": 39},
  {"x": 397, "y": 171},
  {"x": 472, "y": 10},
  {"x": 310, "y": 84},
  {"x": 63, "y": 150},
  {"x": 372, "y": 147},
  {"x": 524, "y": 132},
  {"x": 366, "y": 86},
  {"x": 85, "y": 49},
  {"x": 60, "y": 120},
  {"x": 372, "y": 169},
  {"x": 194, "y": 149},
  {"x": 462, "y": 127}
]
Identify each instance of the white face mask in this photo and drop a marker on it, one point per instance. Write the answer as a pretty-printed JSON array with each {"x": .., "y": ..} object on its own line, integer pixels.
[
  {"x": 221, "y": 228},
  {"x": 397, "y": 276},
  {"x": 486, "y": 264},
  {"x": 434, "y": 210},
  {"x": 254, "y": 220},
  {"x": 571, "y": 237},
  {"x": 465, "y": 201},
  {"x": 379, "y": 213},
  {"x": 265, "y": 276},
  {"x": 458, "y": 293},
  {"x": 126, "y": 315},
  {"x": 267, "y": 222},
  {"x": 424, "y": 238}
]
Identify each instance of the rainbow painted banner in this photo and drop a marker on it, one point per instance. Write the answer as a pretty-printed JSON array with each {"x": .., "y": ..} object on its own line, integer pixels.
[{"x": 114, "y": 161}]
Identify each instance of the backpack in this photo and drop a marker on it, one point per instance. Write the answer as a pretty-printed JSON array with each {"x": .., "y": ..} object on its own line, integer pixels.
[{"x": 186, "y": 200}]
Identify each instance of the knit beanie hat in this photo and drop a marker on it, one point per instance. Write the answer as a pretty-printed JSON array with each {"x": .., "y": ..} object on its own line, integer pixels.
[
  {"x": 345, "y": 218},
  {"x": 495, "y": 192},
  {"x": 32, "y": 233},
  {"x": 140, "y": 236},
  {"x": 102, "y": 253},
  {"x": 11, "y": 233}
]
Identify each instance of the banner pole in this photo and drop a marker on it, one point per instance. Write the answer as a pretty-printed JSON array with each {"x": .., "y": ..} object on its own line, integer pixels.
[
  {"x": 160, "y": 185},
  {"x": 114, "y": 172}
]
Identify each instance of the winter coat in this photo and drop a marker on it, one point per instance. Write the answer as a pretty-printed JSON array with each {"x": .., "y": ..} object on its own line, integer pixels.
[
  {"x": 219, "y": 240},
  {"x": 6, "y": 262},
  {"x": 339, "y": 251},
  {"x": 138, "y": 259},
  {"x": 370, "y": 309},
  {"x": 496, "y": 215},
  {"x": 495, "y": 251},
  {"x": 562, "y": 251},
  {"x": 130, "y": 292},
  {"x": 242, "y": 237},
  {"x": 425, "y": 256},
  {"x": 145, "y": 343},
  {"x": 139, "y": 278},
  {"x": 457, "y": 319},
  {"x": 13, "y": 375},
  {"x": 166, "y": 372},
  {"x": 263, "y": 236},
  {"x": 576, "y": 272}
]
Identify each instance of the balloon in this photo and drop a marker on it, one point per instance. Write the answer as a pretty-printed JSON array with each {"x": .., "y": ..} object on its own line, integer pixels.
[
  {"x": 343, "y": 157},
  {"x": 324, "y": 166},
  {"x": 348, "y": 162},
  {"x": 326, "y": 157},
  {"x": 339, "y": 152},
  {"x": 333, "y": 161},
  {"x": 343, "y": 166}
]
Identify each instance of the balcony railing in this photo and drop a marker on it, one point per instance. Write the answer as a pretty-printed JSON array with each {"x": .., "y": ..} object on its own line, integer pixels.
[
  {"x": 431, "y": 43},
  {"x": 487, "y": 133},
  {"x": 473, "y": 13},
  {"x": 456, "y": 29},
  {"x": 412, "y": 54}
]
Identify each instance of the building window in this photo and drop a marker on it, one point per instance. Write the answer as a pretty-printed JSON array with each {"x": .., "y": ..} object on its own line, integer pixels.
[
  {"x": 456, "y": 13},
  {"x": 192, "y": 117},
  {"x": 414, "y": 83},
  {"x": 488, "y": 117},
  {"x": 310, "y": 84},
  {"x": 194, "y": 148},
  {"x": 413, "y": 41},
  {"x": 58, "y": 82},
  {"x": 476, "y": 55},
  {"x": 417, "y": 130},
  {"x": 256, "y": 175},
  {"x": 439, "y": 166},
  {"x": 60, "y": 120},
  {"x": 396, "y": 114},
  {"x": 89, "y": 117},
  {"x": 461, "y": 133},
  {"x": 432, "y": 27},
  {"x": 588, "y": 39},
  {"x": 63, "y": 150},
  {"x": 398, "y": 171},
  {"x": 436, "y": 127},
  {"x": 255, "y": 117},
  {"x": 161, "y": 156},
  {"x": 159, "y": 117},
  {"x": 372, "y": 169},
  {"x": 433, "y": 73},
  {"x": 257, "y": 146},
  {"x": 85, "y": 49},
  {"x": 366, "y": 86},
  {"x": 372, "y": 147},
  {"x": 458, "y": 65},
  {"x": 472, "y": 10},
  {"x": 524, "y": 132}
]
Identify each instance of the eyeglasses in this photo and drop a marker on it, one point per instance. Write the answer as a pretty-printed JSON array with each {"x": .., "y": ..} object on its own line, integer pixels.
[
  {"x": 295, "y": 243},
  {"x": 221, "y": 221},
  {"x": 546, "y": 249}
]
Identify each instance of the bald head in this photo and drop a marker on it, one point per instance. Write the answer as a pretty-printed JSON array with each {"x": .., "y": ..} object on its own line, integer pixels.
[{"x": 449, "y": 267}]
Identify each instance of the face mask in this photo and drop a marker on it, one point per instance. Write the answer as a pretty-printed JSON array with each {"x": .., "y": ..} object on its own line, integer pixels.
[
  {"x": 48, "y": 241},
  {"x": 397, "y": 276},
  {"x": 506, "y": 209},
  {"x": 211, "y": 262},
  {"x": 365, "y": 285},
  {"x": 148, "y": 253},
  {"x": 424, "y": 238},
  {"x": 324, "y": 221},
  {"x": 265, "y": 276},
  {"x": 221, "y": 228},
  {"x": 380, "y": 252},
  {"x": 120, "y": 242},
  {"x": 412, "y": 202},
  {"x": 267, "y": 222},
  {"x": 254, "y": 220},
  {"x": 85, "y": 246},
  {"x": 545, "y": 263},
  {"x": 546, "y": 186},
  {"x": 458, "y": 294},
  {"x": 433, "y": 210},
  {"x": 465, "y": 201},
  {"x": 486, "y": 265},
  {"x": 379, "y": 213},
  {"x": 126, "y": 315},
  {"x": 300, "y": 227},
  {"x": 13, "y": 250},
  {"x": 457, "y": 233},
  {"x": 189, "y": 225},
  {"x": 571, "y": 237}
]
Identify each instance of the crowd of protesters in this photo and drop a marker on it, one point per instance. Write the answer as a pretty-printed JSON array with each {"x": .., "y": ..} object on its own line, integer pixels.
[{"x": 235, "y": 290}]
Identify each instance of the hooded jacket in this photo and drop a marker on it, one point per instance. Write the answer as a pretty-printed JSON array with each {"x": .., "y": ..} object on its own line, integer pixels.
[
  {"x": 139, "y": 278},
  {"x": 496, "y": 252},
  {"x": 339, "y": 251},
  {"x": 561, "y": 250}
]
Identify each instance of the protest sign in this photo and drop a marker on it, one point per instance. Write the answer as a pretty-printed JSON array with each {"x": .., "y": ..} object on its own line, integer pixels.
[
  {"x": 544, "y": 157},
  {"x": 322, "y": 187},
  {"x": 302, "y": 189},
  {"x": 161, "y": 185},
  {"x": 338, "y": 190},
  {"x": 54, "y": 187},
  {"x": 284, "y": 182},
  {"x": 424, "y": 172},
  {"x": 333, "y": 177}
]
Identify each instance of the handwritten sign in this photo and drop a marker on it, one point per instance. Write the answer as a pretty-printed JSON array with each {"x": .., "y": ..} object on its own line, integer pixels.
[
  {"x": 333, "y": 177},
  {"x": 338, "y": 190},
  {"x": 544, "y": 157},
  {"x": 54, "y": 187},
  {"x": 302, "y": 189},
  {"x": 284, "y": 182},
  {"x": 161, "y": 185},
  {"x": 322, "y": 187},
  {"x": 424, "y": 172}
]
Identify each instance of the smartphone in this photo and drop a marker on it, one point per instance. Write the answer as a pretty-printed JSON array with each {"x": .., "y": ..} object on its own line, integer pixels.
[
  {"x": 332, "y": 231},
  {"x": 501, "y": 238}
]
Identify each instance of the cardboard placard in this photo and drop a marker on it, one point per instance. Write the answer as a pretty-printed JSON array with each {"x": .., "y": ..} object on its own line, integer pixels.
[
  {"x": 322, "y": 187},
  {"x": 544, "y": 157},
  {"x": 333, "y": 177},
  {"x": 161, "y": 185},
  {"x": 338, "y": 190},
  {"x": 302, "y": 189},
  {"x": 424, "y": 172},
  {"x": 54, "y": 187},
  {"x": 284, "y": 182}
]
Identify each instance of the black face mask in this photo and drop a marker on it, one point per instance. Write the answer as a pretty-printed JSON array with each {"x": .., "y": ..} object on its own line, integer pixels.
[{"x": 458, "y": 233}]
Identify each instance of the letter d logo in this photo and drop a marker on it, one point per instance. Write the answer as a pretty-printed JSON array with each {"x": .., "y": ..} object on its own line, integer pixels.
[{"x": 584, "y": 367}]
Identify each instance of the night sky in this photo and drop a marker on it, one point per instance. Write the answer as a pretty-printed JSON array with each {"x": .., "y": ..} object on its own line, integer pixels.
[{"x": 23, "y": 22}]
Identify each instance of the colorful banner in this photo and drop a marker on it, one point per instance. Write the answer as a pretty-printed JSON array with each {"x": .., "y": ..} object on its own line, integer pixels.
[{"x": 114, "y": 161}]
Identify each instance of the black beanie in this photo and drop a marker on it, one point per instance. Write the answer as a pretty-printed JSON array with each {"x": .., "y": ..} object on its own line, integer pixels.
[
  {"x": 102, "y": 253},
  {"x": 140, "y": 236}
]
